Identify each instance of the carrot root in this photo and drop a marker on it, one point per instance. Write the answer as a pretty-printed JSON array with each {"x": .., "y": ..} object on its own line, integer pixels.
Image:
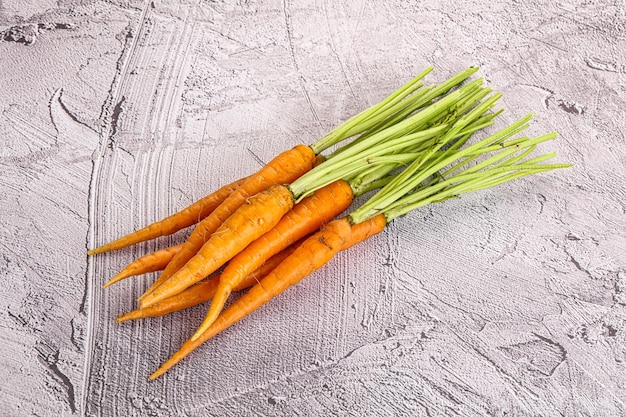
[{"x": 155, "y": 261}]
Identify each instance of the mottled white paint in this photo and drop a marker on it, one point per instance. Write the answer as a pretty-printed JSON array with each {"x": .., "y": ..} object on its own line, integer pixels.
[{"x": 508, "y": 301}]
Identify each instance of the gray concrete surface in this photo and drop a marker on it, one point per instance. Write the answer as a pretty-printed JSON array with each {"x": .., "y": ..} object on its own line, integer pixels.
[{"x": 113, "y": 114}]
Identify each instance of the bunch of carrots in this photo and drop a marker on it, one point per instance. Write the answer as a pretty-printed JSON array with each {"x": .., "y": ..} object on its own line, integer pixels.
[{"x": 268, "y": 231}]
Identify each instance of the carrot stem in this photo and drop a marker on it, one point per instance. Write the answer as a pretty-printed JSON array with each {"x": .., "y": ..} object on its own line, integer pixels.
[
  {"x": 419, "y": 100},
  {"x": 323, "y": 174},
  {"x": 374, "y": 114},
  {"x": 503, "y": 165}
]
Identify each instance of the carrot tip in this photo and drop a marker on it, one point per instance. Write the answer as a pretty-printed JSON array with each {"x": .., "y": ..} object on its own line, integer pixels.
[
  {"x": 144, "y": 304},
  {"x": 122, "y": 275},
  {"x": 197, "y": 334},
  {"x": 99, "y": 249},
  {"x": 142, "y": 297},
  {"x": 131, "y": 315},
  {"x": 157, "y": 373},
  {"x": 214, "y": 311}
]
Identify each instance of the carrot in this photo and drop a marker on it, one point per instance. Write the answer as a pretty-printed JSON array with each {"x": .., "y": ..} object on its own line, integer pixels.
[
  {"x": 253, "y": 219},
  {"x": 190, "y": 215},
  {"x": 311, "y": 255},
  {"x": 204, "y": 290},
  {"x": 283, "y": 169},
  {"x": 305, "y": 217},
  {"x": 155, "y": 261},
  {"x": 435, "y": 168}
]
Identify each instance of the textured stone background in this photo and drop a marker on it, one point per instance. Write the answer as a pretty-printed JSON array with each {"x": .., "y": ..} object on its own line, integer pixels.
[{"x": 113, "y": 114}]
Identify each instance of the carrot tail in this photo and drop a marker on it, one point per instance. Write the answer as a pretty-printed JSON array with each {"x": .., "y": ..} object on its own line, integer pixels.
[
  {"x": 171, "y": 224},
  {"x": 252, "y": 220},
  {"x": 311, "y": 255},
  {"x": 305, "y": 217},
  {"x": 155, "y": 261},
  {"x": 194, "y": 295},
  {"x": 204, "y": 290},
  {"x": 284, "y": 169}
]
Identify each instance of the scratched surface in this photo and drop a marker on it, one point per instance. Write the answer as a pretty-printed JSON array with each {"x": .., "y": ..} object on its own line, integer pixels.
[{"x": 113, "y": 114}]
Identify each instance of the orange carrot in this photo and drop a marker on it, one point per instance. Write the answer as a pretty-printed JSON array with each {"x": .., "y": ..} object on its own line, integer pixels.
[
  {"x": 283, "y": 169},
  {"x": 311, "y": 255},
  {"x": 190, "y": 215},
  {"x": 204, "y": 290},
  {"x": 155, "y": 261},
  {"x": 252, "y": 220},
  {"x": 305, "y": 217}
]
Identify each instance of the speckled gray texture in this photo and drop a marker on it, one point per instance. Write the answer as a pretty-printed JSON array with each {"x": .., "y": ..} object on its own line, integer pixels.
[{"x": 509, "y": 301}]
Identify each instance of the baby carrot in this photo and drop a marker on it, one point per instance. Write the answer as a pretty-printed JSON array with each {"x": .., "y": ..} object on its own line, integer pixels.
[
  {"x": 190, "y": 215},
  {"x": 305, "y": 217},
  {"x": 155, "y": 261},
  {"x": 205, "y": 289},
  {"x": 311, "y": 255},
  {"x": 258, "y": 215}
]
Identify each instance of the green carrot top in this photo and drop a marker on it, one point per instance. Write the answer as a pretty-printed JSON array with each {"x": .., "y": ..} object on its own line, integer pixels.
[
  {"x": 449, "y": 169},
  {"x": 415, "y": 132}
]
